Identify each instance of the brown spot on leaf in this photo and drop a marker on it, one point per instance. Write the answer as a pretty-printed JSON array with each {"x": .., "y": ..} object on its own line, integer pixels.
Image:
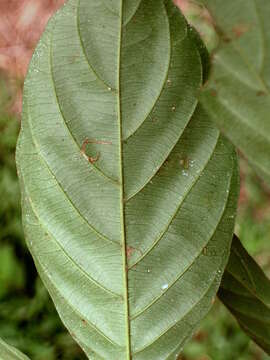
[
  {"x": 200, "y": 336},
  {"x": 261, "y": 93},
  {"x": 240, "y": 30},
  {"x": 130, "y": 250},
  {"x": 184, "y": 162},
  {"x": 91, "y": 159},
  {"x": 226, "y": 38},
  {"x": 74, "y": 58},
  {"x": 164, "y": 168}
]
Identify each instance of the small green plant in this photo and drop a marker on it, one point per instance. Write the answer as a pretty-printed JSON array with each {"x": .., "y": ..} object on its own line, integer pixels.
[{"x": 129, "y": 189}]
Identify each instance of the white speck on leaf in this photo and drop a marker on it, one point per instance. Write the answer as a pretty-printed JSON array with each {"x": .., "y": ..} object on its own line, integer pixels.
[{"x": 184, "y": 173}]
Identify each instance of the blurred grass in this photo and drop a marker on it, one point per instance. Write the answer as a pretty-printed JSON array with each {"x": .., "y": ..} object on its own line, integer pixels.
[{"x": 28, "y": 319}]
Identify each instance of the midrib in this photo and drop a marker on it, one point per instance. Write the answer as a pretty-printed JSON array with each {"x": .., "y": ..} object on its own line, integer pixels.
[{"x": 122, "y": 193}]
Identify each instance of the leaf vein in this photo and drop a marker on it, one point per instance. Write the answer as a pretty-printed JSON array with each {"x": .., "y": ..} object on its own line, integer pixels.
[
  {"x": 133, "y": 15},
  {"x": 101, "y": 236},
  {"x": 84, "y": 50},
  {"x": 76, "y": 311},
  {"x": 158, "y": 97},
  {"x": 154, "y": 244},
  {"x": 81, "y": 270},
  {"x": 113, "y": 181},
  {"x": 175, "y": 324},
  {"x": 187, "y": 268}
]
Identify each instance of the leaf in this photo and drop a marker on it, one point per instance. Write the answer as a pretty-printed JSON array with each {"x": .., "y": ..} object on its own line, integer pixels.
[
  {"x": 8, "y": 352},
  {"x": 130, "y": 233},
  {"x": 245, "y": 290},
  {"x": 237, "y": 96},
  {"x": 203, "y": 51}
]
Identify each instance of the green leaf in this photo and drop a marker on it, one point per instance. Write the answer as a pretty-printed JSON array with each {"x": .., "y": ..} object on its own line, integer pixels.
[
  {"x": 131, "y": 245},
  {"x": 245, "y": 290},
  {"x": 8, "y": 352},
  {"x": 205, "y": 59},
  {"x": 238, "y": 93}
]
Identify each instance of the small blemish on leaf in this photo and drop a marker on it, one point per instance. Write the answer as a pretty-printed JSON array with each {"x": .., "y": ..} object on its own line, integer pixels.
[
  {"x": 184, "y": 163},
  {"x": 226, "y": 39},
  {"x": 261, "y": 93},
  {"x": 130, "y": 250},
  {"x": 74, "y": 58},
  {"x": 153, "y": 118},
  {"x": 164, "y": 286},
  {"x": 92, "y": 159},
  {"x": 240, "y": 30},
  {"x": 184, "y": 173}
]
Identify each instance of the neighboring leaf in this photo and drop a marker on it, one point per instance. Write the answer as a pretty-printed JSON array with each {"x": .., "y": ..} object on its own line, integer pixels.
[
  {"x": 245, "y": 290},
  {"x": 238, "y": 94},
  {"x": 132, "y": 243},
  {"x": 8, "y": 352}
]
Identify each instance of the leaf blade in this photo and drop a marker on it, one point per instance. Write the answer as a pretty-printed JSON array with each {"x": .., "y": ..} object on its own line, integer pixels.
[
  {"x": 237, "y": 95},
  {"x": 83, "y": 219},
  {"x": 245, "y": 290},
  {"x": 8, "y": 352}
]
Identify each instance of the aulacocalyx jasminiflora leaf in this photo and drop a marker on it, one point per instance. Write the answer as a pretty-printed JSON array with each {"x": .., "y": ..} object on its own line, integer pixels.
[
  {"x": 245, "y": 290},
  {"x": 237, "y": 96},
  {"x": 8, "y": 352},
  {"x": 129, "y": 191}
]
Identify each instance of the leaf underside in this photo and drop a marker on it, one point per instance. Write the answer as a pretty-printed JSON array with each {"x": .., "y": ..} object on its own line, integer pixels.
[
  {"x": 237, "y": 96},
  {"x": 245, "y": 290},
  {"x": 8, "y": 352},
  {"x": 130, "y": 231}
]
